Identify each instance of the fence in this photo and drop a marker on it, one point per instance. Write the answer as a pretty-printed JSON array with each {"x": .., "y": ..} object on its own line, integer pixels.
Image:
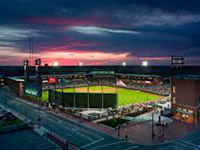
[{"x": 81, "y": 100}]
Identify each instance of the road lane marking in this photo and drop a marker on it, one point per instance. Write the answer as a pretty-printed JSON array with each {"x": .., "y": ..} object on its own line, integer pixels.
[
  {"x": 70, "y": 129},
  {"x": 133, "y": 147},
  {"x": 175, "y": 147},
  {"x": 64, "y": 121},
  {"x": 54, "y": 128},
  {"x": 106, "y": 145},
  {"x": 190, "y": 143},
  {"x": 92, "y": 134},
  {"x": 92, "y": 143},
  {"x": 84, "y": 136},
  {"x": 186, "y": 145}
]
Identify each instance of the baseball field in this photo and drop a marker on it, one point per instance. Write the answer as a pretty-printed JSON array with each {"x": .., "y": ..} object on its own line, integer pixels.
[{"x": 125, "y": 96}]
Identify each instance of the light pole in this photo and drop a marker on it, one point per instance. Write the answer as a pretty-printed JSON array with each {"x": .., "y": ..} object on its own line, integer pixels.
[
  {"x": 37, "y": 64},
  {"x": 62, "y": 90},
  {"x": 152, "y": 134},
  {"x": 118, "y": 128},
  {"x": 39, "y": 117},
  {"x": 74, "y": 94},
  {"x": 102, "y": 92},
  {"x": 88, "y": 96}
]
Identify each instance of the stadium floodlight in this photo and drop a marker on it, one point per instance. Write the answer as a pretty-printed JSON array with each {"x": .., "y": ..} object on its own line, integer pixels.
[
  {"x": 25, "y": 62},
  {"x": 178, "y": 60},
  {"x": 38, "y": 62},
  {"x": 80, "y": 64},
  {"x": 145, "y": 63},
  {"x": 124, "y": 63},
  {"x": 55, "y": 64}
]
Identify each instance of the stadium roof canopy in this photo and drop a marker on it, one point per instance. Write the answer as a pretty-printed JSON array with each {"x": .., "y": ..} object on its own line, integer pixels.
[
  {"x": 18, "y": 79},
  {"x": 188, "y": 77}
]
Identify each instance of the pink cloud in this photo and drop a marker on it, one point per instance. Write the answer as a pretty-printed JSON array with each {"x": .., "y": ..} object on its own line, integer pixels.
[{"x": 73, "y": 46}]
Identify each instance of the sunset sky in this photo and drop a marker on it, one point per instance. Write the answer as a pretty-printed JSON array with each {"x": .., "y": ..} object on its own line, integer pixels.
[{"x": 100, "y": 32}]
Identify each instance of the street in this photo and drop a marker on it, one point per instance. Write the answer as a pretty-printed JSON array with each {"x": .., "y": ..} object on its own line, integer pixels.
[
  {"x": 91, "y": 139},
  {"x": 76, "y": 133}
]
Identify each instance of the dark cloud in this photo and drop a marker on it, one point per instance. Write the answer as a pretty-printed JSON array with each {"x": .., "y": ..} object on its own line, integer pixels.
[{"x": 140, "y": 28}]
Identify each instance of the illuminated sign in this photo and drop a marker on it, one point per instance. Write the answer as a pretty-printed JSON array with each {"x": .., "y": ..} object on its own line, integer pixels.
[
  {"x": 178, "y": 60},
  {"x": 33, "y": 87},
  {"x": 31, "y": 92},
  {"x": 103, "y": 72}
]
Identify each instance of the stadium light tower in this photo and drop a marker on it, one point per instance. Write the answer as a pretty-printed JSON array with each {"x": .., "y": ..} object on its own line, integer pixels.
[
  {"x": 26, "y": 63},
  {"x": 145, "y": 63},
  {"x": 80, "y": 64},
  {"x": 37, "y": 65},
  {"x": 124, "y": 63},
  {"x": 55, "y": 64}
]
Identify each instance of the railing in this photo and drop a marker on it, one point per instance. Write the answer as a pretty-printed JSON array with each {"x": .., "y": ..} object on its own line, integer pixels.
[{"x": 63, "y": 143}]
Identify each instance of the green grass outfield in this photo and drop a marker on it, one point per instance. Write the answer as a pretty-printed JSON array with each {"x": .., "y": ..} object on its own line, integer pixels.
[{"x": 125, "y": 96}]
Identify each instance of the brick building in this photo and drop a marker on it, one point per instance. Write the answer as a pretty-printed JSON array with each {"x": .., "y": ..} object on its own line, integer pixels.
[
  {"x": 16, "y": 85},
  {"x": 185, "y": 98}
]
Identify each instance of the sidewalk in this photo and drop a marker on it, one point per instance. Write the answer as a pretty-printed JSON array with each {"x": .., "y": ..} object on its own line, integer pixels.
[
  {"x": 18, "y": 115},
  {"x": 73, "y": 118}
]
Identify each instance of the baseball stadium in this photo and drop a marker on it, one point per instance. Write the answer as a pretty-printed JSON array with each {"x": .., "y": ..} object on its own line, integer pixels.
[{"x": 103, "y": 90}]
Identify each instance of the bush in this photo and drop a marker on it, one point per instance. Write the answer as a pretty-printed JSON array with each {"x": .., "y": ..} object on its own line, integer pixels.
[
  {"x": 114, "y": 122},
  {"x": 11, "y": 122}
]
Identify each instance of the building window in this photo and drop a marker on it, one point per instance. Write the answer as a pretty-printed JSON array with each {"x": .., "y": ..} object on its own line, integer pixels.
[
  {"x": 174, "y": 89},
  {"x": 174, "y": 100},
  {"x": 190, "y": 111}
]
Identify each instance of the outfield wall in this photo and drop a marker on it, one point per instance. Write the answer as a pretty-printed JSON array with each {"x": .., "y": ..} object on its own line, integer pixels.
[{"x": 81, "y": 99}]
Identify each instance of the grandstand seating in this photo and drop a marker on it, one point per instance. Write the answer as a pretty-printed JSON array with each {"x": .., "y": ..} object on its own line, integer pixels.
[{"x": 156, "y": 88}]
